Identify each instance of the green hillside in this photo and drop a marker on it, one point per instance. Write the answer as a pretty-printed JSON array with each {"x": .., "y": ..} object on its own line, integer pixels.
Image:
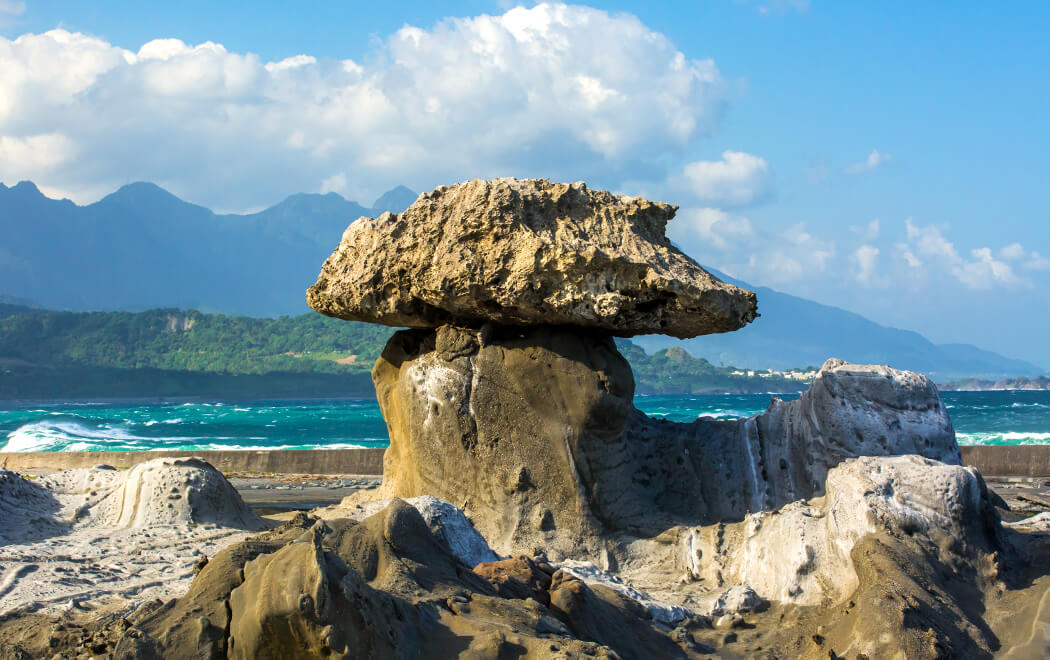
[{"x": 168, "y": 352}]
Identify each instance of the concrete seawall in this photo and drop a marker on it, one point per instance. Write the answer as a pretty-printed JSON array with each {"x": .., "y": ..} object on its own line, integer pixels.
[
  {"x": 290, "y": 461},
  {"x": 1000, "y": 461}
]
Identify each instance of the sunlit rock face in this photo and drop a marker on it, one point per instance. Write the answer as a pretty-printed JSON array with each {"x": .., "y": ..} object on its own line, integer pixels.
[
  {"x": 522, "y": 253},
  {"x": 509, "y": 400},
  {"x": 533, "y": 431}
]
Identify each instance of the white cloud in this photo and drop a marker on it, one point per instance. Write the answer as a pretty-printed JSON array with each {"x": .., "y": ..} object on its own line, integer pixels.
[
  {"x": 35, "y": 155},
  {"x": 713, "y": 228},
  {"x": 1012, "y": 252},
  {"x": 908, "y": 256},
  {"x": 983, "y": 270},
  {"x": 1027, "y": 260},
  {"x": 9, "y": 8},
  {"x": 532, "y": 92},
  {"x": 868, "y": 232},
  {"x": 731, "y": 243},
  {"x": 875, "y": 159},
  {"x": 335, "y": 183},
  {"x": 1036, "y": 261},
  {"x": 739, "y": 179},
  {"x": 866, "y": 260}
]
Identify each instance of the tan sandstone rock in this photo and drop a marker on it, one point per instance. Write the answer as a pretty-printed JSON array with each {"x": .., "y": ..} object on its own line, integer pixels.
[
  {"x": 533, "y": 432},
  {"x": 526, "y": 252}
]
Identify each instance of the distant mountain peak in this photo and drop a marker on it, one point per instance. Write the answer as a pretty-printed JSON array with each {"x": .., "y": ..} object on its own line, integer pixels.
[
  {"x": 304, "y": 205},
  {"x": 23, "y": 189},
  {"x": 141, "y": 191},
  {"x": 27, "y": 186},
  {"x": 394, "y": 200}
]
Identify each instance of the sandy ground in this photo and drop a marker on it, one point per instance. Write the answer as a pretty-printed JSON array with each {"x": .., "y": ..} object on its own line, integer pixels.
[
  {"x": 271, "y": 494},
  {"x": 1025, "y": 496},
  {"x": 64, "y": 561},
  {"x": 95, "y": 539}
]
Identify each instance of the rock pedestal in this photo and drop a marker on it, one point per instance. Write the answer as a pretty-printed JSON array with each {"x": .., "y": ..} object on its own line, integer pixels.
[
  {"x": 511, "y": 401},
  {"x": 534, "y": 433}
]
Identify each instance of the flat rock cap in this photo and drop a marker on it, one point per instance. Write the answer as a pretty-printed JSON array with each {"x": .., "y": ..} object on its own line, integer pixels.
[{"x": 526, "y": 252}]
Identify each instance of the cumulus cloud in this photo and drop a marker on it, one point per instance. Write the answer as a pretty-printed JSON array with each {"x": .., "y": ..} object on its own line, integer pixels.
[
  {"x": 874, "y": 160},
  {"x": 739, "y": 179},
  {"x": 866, "y": 260},
  {"x": 732, "y": 243},
  {"x": 984, "y": 269},
  {"x": 1027, "y": 260},
  {"x": 533, "y": 91},
  {"x": 709, "y": 228}
]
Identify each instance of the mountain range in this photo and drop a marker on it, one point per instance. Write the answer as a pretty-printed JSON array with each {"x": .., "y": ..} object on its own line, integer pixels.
[
  {"x": 793, "y": 331},
  {"x": 142, "y": 247}
]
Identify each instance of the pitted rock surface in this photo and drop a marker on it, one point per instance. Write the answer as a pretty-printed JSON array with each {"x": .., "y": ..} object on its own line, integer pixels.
[
  {"x": 534, "y": 433},
  {"x": 526, "y": 252}
]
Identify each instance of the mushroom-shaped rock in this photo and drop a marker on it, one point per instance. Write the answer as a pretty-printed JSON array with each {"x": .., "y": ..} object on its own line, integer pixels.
[{"x": 526, "y": 252}]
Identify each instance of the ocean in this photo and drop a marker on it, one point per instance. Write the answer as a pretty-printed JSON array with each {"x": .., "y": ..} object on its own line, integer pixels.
[{"x": 980, "y": 418}]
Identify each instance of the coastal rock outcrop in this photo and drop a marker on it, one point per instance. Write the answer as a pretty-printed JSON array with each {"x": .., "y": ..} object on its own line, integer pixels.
[
  {"x": 840, "y": 521},
  {"x": 802, "y": 552},
  {"x": 382, "y": 587},
  {"x": 526, "y": 252},
  {"x": 170, "y": 491},
  {"x": 533, "y": 432}
]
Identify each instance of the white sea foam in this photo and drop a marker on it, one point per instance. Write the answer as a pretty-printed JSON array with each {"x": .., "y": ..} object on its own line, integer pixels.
[
  {"x": 71, "y": 436},
  {"x": 174, "y": 420},
  {"x": 1003, "y": 438}
]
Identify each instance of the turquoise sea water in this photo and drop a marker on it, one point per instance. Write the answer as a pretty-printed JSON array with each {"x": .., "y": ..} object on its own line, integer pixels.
[{"x": 979, "y": 418}]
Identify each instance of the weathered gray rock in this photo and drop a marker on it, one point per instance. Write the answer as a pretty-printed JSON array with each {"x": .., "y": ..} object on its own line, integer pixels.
[
  {"x": 802, "y": 553},
  {"x": 526, "y": 252},
  {"x": 167, "y": 491},
  {"x": 534, "y": 434}
]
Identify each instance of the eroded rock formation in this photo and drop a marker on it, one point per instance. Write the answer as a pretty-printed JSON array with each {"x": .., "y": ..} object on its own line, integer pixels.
[
  {"x": 524, "y": 253},
  {"x": 534, "y": 432},
  {"x": 837, "y": 525},
  {"x": 512, "y": 402}
]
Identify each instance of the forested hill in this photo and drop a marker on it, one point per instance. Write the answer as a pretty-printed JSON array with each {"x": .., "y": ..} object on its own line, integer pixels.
[{"x": 168, "y": 352}]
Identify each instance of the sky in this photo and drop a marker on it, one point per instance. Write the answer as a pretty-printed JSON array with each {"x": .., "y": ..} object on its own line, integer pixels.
[{"x": 889, "y": 158}]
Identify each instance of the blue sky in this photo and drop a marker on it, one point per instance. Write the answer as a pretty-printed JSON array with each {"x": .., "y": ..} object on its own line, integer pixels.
[{"x": 888, "y": 158}]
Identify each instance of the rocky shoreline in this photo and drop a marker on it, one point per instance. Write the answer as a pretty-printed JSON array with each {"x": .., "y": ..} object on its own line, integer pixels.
[{"x": 527, "y": 509}]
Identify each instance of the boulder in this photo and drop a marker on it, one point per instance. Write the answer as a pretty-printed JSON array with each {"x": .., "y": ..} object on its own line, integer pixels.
[{"x": 522, "y": 253}]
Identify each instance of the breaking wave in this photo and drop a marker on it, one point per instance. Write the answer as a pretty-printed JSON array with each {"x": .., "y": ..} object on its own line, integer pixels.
[{"x": 1003, "y": 438}]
